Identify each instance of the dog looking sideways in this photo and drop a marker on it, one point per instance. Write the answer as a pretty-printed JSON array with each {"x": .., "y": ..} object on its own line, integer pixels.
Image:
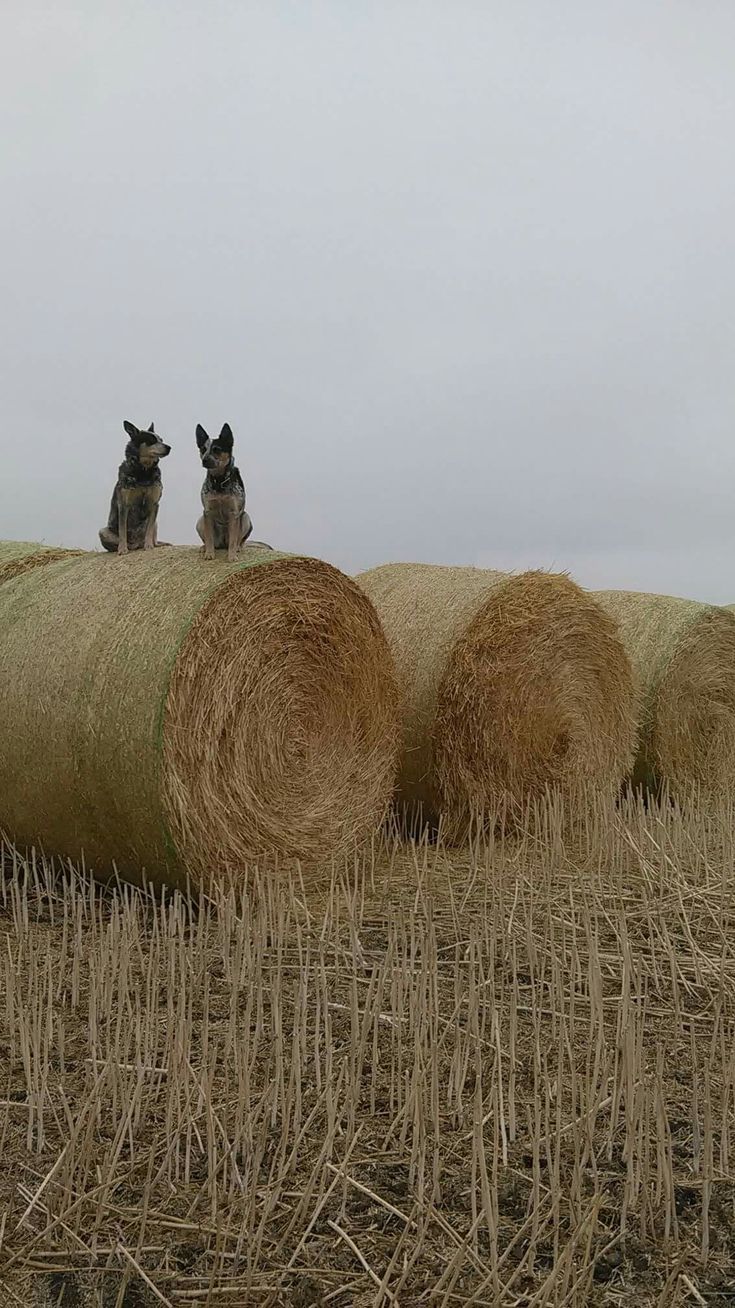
[{"x": 132, "y": 524}]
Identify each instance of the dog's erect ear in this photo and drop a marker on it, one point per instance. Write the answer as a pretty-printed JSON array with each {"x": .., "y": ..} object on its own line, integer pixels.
[
  {"x": 225, "y": 438},
  {"x": 132, "y": 431},
  {"x": 202, "y": 436},
  {"x": 151, "y": 429}
]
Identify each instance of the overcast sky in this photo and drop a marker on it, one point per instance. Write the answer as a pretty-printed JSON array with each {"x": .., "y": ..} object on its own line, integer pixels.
[{"x": 461, "y": 276}]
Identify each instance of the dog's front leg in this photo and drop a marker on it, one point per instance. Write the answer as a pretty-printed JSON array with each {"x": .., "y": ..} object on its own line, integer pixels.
[
  {"x": 154, "y": 499},
  {"x": 150, "y": 527},
  {"x": 234, "y": 536},
  {"x": 122, "y": 544},
  {"x": 208, "y": 535}
]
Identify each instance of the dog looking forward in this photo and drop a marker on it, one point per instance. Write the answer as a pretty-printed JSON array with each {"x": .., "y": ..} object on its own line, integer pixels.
[
  {"x": 132, "y": 523},
  {"x": 224, "y": 523}
]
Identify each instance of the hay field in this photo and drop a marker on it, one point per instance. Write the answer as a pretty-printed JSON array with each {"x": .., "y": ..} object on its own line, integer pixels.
[{"x": 504, "y": 1076}]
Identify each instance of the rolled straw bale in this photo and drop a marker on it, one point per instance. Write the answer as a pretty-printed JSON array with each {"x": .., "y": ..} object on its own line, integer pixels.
[
  {"x": 17, "y": 556},
  {"x": 510, "y": 685},
  {"x": 683, "y": 655},
  {"x": 162, "y": 712}
]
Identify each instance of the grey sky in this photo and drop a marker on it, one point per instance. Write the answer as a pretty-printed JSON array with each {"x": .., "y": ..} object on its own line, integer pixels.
[{"x": 461, "y": 276}]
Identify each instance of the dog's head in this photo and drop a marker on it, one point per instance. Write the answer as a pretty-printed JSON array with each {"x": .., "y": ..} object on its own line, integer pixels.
[
  {"x": 216, "y": 455},
  {"x": 144, "y": 446}
]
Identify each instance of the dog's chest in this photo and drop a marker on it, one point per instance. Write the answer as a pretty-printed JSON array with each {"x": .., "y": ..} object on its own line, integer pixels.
[
  {"x": 138, "y": 496},
  {"x": 138, "y": 485},
  {"x": 222, "y": 507}
]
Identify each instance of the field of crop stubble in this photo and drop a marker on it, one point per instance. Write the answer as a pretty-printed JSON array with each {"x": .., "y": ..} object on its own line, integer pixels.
[{"x": 503, "y": 1075}]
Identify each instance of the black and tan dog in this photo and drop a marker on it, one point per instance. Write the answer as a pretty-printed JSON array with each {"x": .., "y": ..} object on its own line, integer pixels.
[
  {"x": 225, "y": 524},
  {"x": 132, "y": 524}
]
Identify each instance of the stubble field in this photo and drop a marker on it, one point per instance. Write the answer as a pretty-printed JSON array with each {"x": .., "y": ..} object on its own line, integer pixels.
[{"x": 502, "y": 1075}]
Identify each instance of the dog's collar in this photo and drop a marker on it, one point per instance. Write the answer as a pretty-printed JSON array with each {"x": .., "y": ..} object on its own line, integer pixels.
[
  {"x": 229, "y": 476},
  {"x": 136, "y": 472}
]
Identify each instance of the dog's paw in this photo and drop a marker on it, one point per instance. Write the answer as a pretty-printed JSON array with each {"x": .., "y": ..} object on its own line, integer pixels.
[
  {"x": 209, "y": 555},
  {"x": 122, "y": 548}
]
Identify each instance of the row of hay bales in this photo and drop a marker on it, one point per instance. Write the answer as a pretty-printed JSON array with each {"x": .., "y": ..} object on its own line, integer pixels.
[
  {"x": 514, "y": 684},
  {"x": 509, "y": 685},
  {"x": 162, "y": 713}
]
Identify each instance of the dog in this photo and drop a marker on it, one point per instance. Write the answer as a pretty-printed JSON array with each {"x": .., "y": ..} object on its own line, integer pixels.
[
  {"x": 225, "y": 523},
  {"x": 133, "y": 520}
]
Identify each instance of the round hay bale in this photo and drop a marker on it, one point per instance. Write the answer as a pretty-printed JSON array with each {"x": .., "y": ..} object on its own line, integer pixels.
[
  {"x": 165, "y": 713},
  {"x": 18, "y": 556},
  {"x": 683, "y": 656},
  {"x": 511, "y": 685}
]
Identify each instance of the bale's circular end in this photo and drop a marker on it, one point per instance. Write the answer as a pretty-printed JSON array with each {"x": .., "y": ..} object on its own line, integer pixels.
[
  {"x": 280, "y": 731},
  {"x": 683, "y": 657},
  {"x": 692, "y": 726},
  {"x": 537, "y": 694},
  {"x": 17, "y": 557}
]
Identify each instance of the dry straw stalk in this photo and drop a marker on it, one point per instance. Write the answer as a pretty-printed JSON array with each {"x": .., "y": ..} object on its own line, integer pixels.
[
  {"x": 683, "y": 655},
  {"x": 18, "y": 556},
  {"x": 160, "y": 712},
  {"x": 510, "y": 685}
]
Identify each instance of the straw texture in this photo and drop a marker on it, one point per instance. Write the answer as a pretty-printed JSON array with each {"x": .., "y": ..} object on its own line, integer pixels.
[
  {"x": 510, "y": 685},
  {"x": 161, "y": 712},
  {"x": 683, "y": 655},
  {"x": 18, "y": 556}
]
